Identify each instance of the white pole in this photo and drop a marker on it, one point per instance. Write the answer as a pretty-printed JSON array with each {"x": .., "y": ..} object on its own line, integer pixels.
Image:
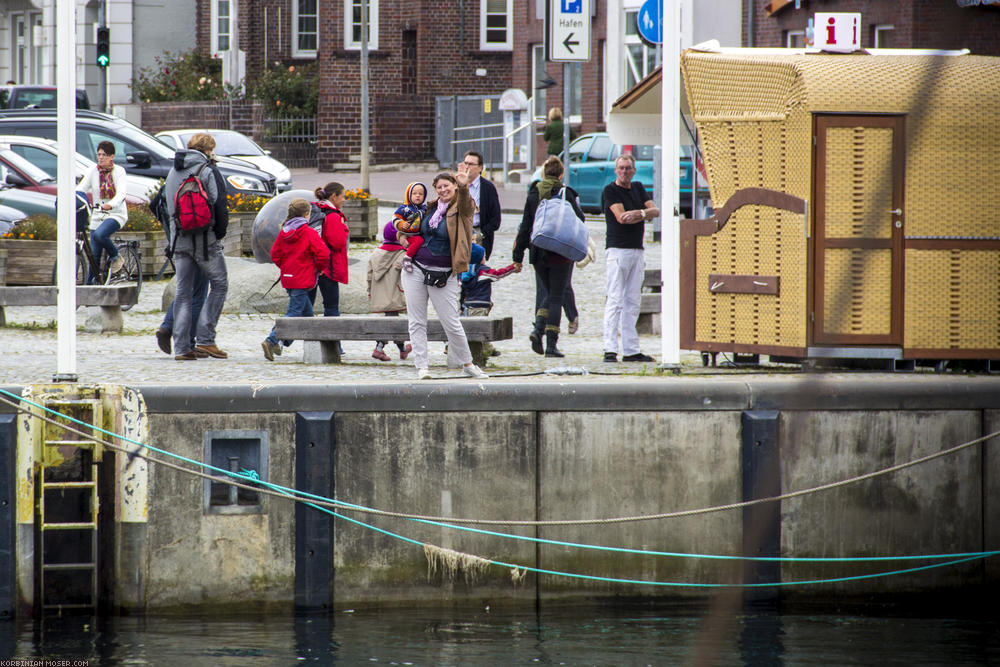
[
  {"x": 365, "y": 183},
  {"x": 670, "y": 355},
  {"x": 66, "y": 176}
]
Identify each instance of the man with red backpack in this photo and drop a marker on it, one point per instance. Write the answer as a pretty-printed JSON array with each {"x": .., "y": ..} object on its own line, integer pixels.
[{"x": 195, "y": 195}]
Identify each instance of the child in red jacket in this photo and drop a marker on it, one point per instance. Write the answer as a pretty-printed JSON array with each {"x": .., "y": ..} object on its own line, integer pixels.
[{"x": 301, "y": 255}]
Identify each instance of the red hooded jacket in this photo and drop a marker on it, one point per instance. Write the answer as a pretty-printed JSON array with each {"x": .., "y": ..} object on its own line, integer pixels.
[
  {"x": 335, "y": 234},
  {"x": 300, "y": 254}
]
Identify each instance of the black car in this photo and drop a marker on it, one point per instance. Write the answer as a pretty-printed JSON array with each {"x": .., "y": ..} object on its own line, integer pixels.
[
  {"x": 36, "y": 97},
  {"x": 143, "y": 154}
]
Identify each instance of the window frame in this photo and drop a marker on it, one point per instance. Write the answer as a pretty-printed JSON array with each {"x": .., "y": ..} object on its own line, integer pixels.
[
  {"x": 791, "y": 34},
  {"x": 877, "y": 30},
  {"x": 539, "y": 94},
  {"x": 508, "y": 44},
  {"x": 263, "y": 444},
  {"x": 296, "y": 51},
  {"x": 349, "y": 43},
  {"x": 216, "y": 51}
]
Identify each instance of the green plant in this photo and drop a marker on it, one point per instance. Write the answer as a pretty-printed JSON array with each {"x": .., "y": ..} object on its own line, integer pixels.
[
  {"x": 188, "y": 76},
  {"x": 38, "y": 227},
  {"x": 288, "y": 92},
  {"x": 141, "y": 219}
]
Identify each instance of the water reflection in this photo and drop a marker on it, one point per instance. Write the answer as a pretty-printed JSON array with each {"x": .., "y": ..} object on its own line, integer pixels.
[{"x": 581, "y": 634}]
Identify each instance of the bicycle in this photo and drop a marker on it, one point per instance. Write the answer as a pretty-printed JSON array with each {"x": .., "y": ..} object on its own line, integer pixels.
[{"x": 129, "y": 251}]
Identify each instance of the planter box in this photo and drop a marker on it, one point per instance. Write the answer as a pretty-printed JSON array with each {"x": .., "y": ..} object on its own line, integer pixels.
[
  {"x": 3, "y": 266},
  {"x": 362, "y": 218},
  {"x": 28, "y": 262},
  {"x": 241, "y": 225},
  {"x": 151, "y": 245}
]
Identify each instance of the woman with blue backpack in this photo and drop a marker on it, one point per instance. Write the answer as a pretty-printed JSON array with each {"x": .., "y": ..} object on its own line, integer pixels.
[{"x": 554, "y": 270}]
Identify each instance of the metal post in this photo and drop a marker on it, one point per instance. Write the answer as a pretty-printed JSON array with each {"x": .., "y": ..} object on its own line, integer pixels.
[
  {"x": 66, "y": 176},
  {"x": 106, "y": 74},
  {"x": 364, "y": 95},
  {"x": 314, "y": 531},
  {"x": 566, "y": 101}
]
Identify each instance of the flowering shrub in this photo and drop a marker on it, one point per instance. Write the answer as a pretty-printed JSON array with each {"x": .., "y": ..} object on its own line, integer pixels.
[
  {"x": 141, "y": 219},
  {"x": 38, "y": 227},
  {"x": 287, "y": 92},
  {"x": 356, "y": 194},
  {"x": 245, "y": 203},
  {"x": 187, "y": 76}
]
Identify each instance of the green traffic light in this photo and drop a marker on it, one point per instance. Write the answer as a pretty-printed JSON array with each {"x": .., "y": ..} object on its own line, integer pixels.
[{"x": 102, "y": 61}]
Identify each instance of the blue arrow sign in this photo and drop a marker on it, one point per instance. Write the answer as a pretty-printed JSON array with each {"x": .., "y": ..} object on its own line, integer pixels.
[{"x": 650, "y": 21}]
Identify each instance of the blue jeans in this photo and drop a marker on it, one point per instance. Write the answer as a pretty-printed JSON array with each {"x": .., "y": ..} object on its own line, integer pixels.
[
  {"x": 330, "y": 289},
  {"x": 214, "y": 271},
  {"x": 199, "y": 291},
  {"x": 299, "y": 305},
  {"x": 100, "y": 243}
]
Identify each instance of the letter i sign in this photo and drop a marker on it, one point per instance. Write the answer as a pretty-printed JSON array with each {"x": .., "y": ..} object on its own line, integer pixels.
[{"x": 839, "y": 32}]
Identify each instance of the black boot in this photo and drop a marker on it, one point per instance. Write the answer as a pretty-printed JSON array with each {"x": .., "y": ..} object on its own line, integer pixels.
[
  {"x": 536, "y": 334},
  {"x": 551, "y": 337}
]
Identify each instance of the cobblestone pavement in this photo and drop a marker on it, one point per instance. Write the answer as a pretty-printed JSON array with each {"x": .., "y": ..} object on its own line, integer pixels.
[{"x": 29, "y": 342}]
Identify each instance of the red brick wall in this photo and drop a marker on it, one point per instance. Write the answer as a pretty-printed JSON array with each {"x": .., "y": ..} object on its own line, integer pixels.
[
  {"x": 918, "y": 24},
  {"x": 160, "y": 116}
]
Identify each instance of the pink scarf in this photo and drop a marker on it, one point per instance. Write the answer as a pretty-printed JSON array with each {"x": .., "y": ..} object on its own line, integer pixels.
[{"x": 439, "y": 212}]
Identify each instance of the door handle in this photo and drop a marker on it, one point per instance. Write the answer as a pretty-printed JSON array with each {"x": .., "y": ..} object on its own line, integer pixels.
[{"x": 896, "y": 211}]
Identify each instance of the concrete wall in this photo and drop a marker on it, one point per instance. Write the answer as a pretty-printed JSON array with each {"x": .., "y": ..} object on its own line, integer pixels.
[
  {"x": 160, "y": 26},
  {"x": 590, "y": 448}
]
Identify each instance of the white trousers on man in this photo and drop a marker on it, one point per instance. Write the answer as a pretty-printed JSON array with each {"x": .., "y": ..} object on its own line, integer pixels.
[
  {"x": 445, "y": 300},
  {"x": 625, "y": 270}
]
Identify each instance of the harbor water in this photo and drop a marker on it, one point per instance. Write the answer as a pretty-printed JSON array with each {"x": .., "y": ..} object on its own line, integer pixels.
[{"x": 703, "y": 633}]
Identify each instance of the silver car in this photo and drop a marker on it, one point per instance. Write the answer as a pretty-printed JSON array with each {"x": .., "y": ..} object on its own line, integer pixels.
[{"x": 233, "y": 144}]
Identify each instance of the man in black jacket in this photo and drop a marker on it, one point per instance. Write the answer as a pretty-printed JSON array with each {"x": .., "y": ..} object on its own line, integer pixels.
[{"x": 487, "y": 218}]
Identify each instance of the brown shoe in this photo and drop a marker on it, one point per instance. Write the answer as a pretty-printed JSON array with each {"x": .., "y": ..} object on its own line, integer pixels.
[
  {"x": 212, "y": 351},
  {"x": 199, "y": 353},
  {"x": 187, "y": 356}
]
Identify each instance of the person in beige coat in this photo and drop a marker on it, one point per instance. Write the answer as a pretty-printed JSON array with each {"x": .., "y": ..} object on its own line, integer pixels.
[{"x": 385, "y": 295}]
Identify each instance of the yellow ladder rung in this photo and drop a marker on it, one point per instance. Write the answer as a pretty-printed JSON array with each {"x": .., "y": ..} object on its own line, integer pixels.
[
  {"x": 70, "y": 443},
  {"x": 69, "y": 526},
  {"x": 68, "y": 485},
  {"x": 69, "y": 566}
]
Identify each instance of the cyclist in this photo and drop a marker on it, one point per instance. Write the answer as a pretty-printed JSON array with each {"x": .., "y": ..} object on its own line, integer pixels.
[{"x": 106, "y": 183}]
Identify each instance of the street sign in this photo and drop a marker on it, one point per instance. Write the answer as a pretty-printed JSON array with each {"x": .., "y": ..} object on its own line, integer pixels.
[
  {"x": 650, "y": 21},
  {"x": 837, "y": 31},
  {"x": 567, "y": 32}
]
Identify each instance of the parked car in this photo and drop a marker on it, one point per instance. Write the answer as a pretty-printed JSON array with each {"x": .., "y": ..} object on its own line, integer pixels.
[
  {"x": 235, "y": 145},
  {"x": 44, "y": 154},
  {"x": 9, "y": 217},
  {"x": 592, "y": 166},
  {"x": 27, "y": 202},
  {"x": 18, "y": 172},
  {"x": 139, "y": 152},
  {"x": 36, "y": 97}
]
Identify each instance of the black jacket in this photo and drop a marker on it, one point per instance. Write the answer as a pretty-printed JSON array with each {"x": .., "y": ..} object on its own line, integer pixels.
[
  {"x": 523, "y": 241},
  {"x": 489, "y": 213}
]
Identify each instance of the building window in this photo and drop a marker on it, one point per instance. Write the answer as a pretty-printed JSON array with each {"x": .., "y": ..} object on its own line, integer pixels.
[
  {"x": 305, "y": 28},
  {"x": 882, "y": 36},
  {"x": 538, "y": 76},
  {"x": 795, "y": 39},
  {"x": 640, "y": 59},
  {"x": 352, "y": 24},
  {"x": 221, "y": 26},
  {"x": 237, "y": 451},
  {"x": 495, "y": 32}
]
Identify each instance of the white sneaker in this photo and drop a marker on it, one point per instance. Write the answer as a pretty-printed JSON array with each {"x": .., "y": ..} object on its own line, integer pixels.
[
  {"x": 116, "y": 264},
  {"x": 423, "y": 374},
  {"x": 473, "y": 371}
]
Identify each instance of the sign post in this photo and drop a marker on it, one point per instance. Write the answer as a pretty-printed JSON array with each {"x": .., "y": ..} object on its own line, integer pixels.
[{"x": 567, "y": 41}]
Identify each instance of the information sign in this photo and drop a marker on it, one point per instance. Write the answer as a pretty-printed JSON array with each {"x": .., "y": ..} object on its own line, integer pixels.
[{"x": 568, "y": 31}]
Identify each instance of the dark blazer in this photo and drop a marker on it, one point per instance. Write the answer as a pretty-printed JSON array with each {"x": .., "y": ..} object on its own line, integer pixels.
[{"x": 489, "y": 213}]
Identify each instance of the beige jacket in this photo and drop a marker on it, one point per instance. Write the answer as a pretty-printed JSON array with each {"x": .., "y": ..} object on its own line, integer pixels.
[{"x": 385, "y": 295}]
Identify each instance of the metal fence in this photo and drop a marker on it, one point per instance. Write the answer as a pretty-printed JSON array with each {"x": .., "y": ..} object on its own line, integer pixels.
[
  {"x": 289, "y": 129},
  {"x": 466, "y": 123}
]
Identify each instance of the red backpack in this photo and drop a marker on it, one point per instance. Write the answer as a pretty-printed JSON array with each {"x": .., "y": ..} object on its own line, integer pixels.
[{"x": 192, "y": 209}]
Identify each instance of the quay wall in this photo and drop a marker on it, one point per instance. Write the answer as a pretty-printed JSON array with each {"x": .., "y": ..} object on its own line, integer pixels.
[{"x": 573, "y": 449}]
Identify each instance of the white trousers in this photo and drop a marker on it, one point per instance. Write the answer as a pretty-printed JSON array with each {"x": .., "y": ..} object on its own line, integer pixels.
[
  {"x": 625, "y": 270},
  {"x": 445, "y": 300}
]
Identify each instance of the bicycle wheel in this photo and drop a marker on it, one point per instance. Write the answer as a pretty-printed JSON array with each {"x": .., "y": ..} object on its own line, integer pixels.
[
  {"x": 131, "y": 271},
  {"x": 81, "y": 269}
]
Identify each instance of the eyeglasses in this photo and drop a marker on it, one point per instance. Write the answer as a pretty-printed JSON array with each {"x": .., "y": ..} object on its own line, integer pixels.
[
  {"x": 471, "y": 164},
  {"x": 100, "y": 154}
]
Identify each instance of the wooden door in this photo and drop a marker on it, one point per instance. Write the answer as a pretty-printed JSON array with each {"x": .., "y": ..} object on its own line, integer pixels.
[{"x": 858, "y": 246}]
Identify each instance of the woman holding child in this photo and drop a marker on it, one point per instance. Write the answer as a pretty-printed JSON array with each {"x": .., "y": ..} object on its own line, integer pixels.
[{"x": 446, "y": 231}]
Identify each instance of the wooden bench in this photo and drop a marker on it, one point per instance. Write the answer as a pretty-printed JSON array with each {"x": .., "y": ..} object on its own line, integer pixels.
[
  {"x": 109, "y": 298},
  {"x": 329, "y": 331},
  {"x": 649, "y": 304}
]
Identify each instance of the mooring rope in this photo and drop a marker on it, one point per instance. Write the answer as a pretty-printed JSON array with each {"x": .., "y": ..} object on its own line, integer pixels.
[{"x": 518, "y": 522}]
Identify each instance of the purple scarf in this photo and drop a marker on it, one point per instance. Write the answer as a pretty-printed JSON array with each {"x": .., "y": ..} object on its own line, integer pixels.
[{"x": 439, "y": 212}]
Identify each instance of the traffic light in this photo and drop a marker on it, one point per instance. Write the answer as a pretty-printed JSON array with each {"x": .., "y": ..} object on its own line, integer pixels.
[{"x": 103, "y": 46}]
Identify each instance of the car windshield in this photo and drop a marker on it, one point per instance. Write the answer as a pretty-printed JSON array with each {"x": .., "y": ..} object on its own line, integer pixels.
[
  {"x": 33, "y": 172},
  {"x": 234, "y": 143}
]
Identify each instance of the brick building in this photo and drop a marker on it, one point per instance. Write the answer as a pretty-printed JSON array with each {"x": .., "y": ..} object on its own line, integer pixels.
[
  {"x": 907, "y": 24},
  {"x": 417, "y": 51}
]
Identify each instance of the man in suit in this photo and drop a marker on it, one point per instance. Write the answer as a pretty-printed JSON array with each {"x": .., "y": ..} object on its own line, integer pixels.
[{"x": 487, "y": 217}]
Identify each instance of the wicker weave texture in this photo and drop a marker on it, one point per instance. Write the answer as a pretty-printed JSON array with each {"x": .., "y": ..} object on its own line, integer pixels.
[
  {"x": 952, "y": 299},
  {"x": 857, "y": 292},
  {"x": 858, "y": 183}
]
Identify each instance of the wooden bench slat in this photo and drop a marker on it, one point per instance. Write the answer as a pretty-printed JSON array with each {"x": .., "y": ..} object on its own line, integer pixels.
[
  {"x": 86, "y": 295},
  {"x": 649, "y": 303},
  {"x": 373, "y": 327}
]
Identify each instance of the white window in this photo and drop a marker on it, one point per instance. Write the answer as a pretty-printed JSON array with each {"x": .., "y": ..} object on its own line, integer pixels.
[
  {"x": 882, "y": 38},
  {"x": 640, "y": 59},
  {"x": 305, "y": 28},
  {"x": 495, "y": 31},
  {"x": 221, "y": 26},
  {"x": 538, "y": 76},
  {"x": 352, "y": 24},
  {"x": 795, "y": 39}
]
